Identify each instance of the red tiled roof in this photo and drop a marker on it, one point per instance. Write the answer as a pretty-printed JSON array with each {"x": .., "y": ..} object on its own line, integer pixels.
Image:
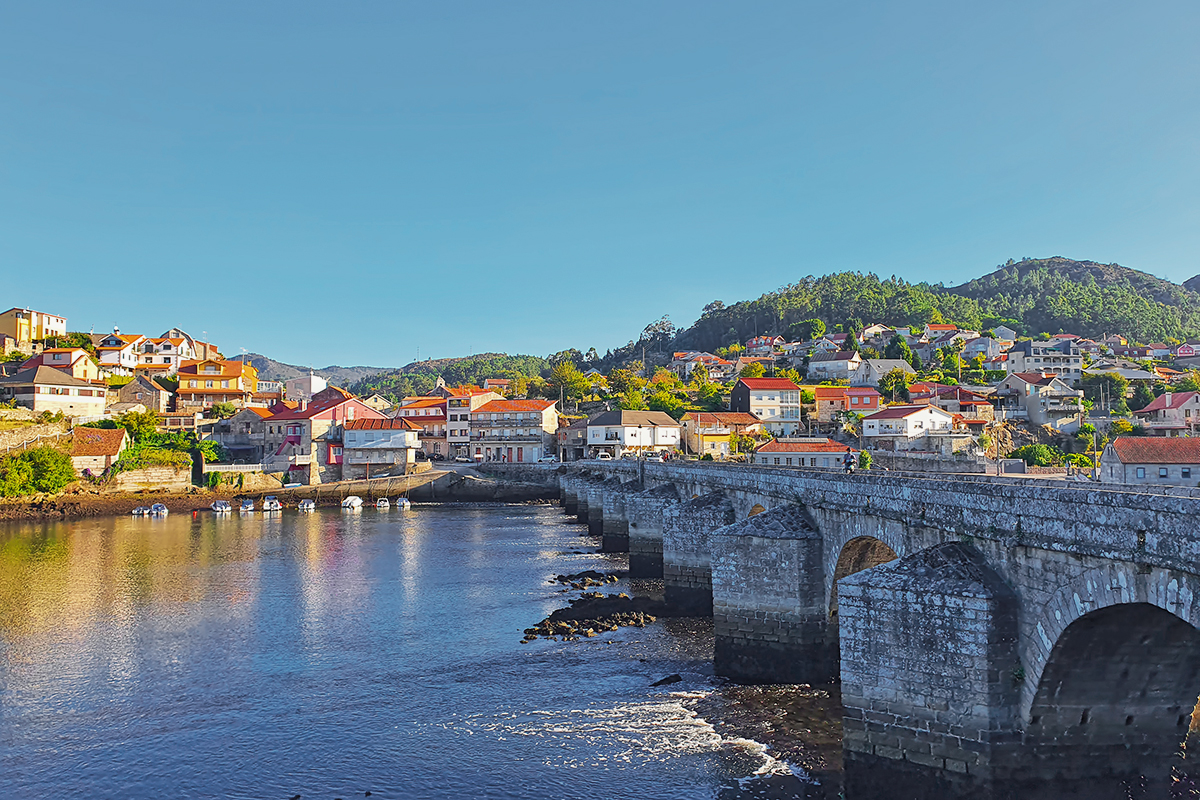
[
  {"x": 862, "y": 391},
  {"x": 830, "y": 392},
  {"x": 767, "y": 383},
  {"x": 1157, "y": 449},
  {"x": 900, "y": 412},
  {"x": 1036, "y": 378},
  {"x": 496, "y": 406},
  {"x": 262, "y": 412},
  {"x": 97, "y": 441},
  {"x": 397, "y": 424},
  {"x": 941, "y": 327},
  {"x": 827, "y": 446},
  {"x": 723, "y": 417},
  {"x": 1160, "y": 402}
]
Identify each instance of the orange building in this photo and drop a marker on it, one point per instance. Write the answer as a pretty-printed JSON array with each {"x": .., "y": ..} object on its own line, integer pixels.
[{"x": 203, "y": 383}]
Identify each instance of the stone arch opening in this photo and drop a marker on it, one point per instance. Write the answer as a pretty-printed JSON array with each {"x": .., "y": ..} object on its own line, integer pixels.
[
  {"x": 857, "y": 554},
  {"x": 756, "y": 510},
  {"x": 1117, "y": 697}
]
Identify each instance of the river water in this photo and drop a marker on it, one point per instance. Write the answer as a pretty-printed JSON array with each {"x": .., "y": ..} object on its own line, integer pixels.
[{"x": 336, "y": 653}]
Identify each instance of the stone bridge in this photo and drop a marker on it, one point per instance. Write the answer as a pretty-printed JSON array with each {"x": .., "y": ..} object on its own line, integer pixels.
[{"x": 985, "y": 631}]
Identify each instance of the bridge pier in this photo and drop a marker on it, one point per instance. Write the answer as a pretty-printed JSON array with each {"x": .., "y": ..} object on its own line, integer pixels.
[
  {"x": 597, "y": 492},
  {"x": 644, "y": 512},
  {"x": 615, "y": 529},
  {"x": 568, "y": 491},
  {"x": 929, "y": 676},
  {"x": 769, "y": 607},
  {"x": 687, "y": 571},
  {"x": 583, "y": 493}
]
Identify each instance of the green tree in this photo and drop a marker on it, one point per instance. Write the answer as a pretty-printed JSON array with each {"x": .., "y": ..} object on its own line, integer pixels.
[
  {"x": 624, "y": 380},
  {"x": 1110, "y": 386},
  {"x": 753, "y": 370},
  {"x": 140, "y": 424},
  {"x": 1121, "y": 427},
  {"x": 894, "y": 385},
  {"x": 852, "y": 343},
  {"x": 38, "y": 469},
  {"x": 222, "y": 410},
  {"x": 803, "y": 331},
  {"x": 1143, "y": 396},
  {"x": 864, "y": 459},
  {"x": 566, "y": 378},
  {"x": 897, "y": 348},
  {"x": 632, "y": 401},
  {"x": 1038, "y": 455},
  {"x": 663, "y": 400}
]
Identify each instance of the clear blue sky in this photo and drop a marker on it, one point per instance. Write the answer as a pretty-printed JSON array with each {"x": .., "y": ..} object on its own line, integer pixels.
[{"x": 347, "y": 182}]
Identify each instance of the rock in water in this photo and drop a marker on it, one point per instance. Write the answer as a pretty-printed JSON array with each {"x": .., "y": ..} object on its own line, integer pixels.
[{"x": 676, "y": 678}]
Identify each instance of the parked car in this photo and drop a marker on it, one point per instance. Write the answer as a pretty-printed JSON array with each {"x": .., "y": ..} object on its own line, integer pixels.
[
  {"x": 463, "y": 459},
  {"x": 548, "y": 460},
  {"x": 436, "y": 457},
  {"x": 604, "y": 456},
  {"x": 657, "y": 457}
]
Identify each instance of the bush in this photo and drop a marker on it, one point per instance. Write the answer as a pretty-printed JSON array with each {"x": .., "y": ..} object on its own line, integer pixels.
[
  {"x": 1121, "y": 427},
  {"x": 141, "y": 456},
  {"x": 1038, "y": 455},
  {"x": 1079, "y": 460},
  {"x": 864, "y": 459},
  {"x": 38, "y": 469}
]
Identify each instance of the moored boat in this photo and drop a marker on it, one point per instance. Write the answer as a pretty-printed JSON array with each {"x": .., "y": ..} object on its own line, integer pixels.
[
  {"x": 403, "y": 504},
  {"x": 383, "y": 504},
  {"x": 307, "y": 505},
  {"x": 352, "y": 502},
  {"x": 158, "y": 510},
  {"x": 141, "y": 511},
  {"x": 247, "y": 507},
  {"x": 271, "y": 503},
  {"x": 221, "y": 507}
]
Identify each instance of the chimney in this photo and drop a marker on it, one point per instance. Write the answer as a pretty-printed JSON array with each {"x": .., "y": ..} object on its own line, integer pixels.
[{"x": 1168, "y": 396}]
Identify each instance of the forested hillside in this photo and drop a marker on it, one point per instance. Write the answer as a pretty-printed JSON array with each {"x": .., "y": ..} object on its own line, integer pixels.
[
  {"x": 419, "y": 378},
  {"x": 1037, "y": 295}
]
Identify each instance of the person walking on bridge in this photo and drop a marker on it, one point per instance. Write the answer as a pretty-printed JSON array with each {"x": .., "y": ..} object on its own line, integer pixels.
[{"x": 848, "y": 462}]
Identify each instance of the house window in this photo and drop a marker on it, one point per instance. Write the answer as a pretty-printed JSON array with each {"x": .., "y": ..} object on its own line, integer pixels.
[
  {"x": 789, "y": 462},
  {"x": 191, "y": 384},
  {"x": 208, "y": 384},
  {"x": 812, "y": 462},
  {"x": 1185, "y": 472},
  {"x": 1141, "y": 472},
  {"x": 224, "y": 384},
  {"x": 777, "y": 460},
  {"x": 1162, "y": 472}
]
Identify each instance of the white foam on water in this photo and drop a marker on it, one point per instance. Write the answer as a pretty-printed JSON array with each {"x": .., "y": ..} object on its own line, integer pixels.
[{"x": 626, "y": 735}]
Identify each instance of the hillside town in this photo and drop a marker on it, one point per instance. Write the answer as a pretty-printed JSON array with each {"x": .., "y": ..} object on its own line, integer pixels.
[{"x": 936, "y": 398}]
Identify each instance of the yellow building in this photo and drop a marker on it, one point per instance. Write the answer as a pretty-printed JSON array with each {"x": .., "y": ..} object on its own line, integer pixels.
[
  {"x": 203, "y": 383},
  {"x": 25, "y": 325}
]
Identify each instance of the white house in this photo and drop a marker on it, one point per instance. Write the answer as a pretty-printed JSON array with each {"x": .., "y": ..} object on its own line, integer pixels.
[
  {"x": 913, "y": 427},
  {"x": 374, "y": 446},
  {"x": 814, "y": 451},
  {"x": 1172, "y": 414},
  {"x": 617, "y": 432},
  {"x": 1041, "y": 397},
  {"x": 839, "y": 366},
  {"x": 1004, "y": 333},
  {"x": 870, "y": 371},
  {"x": 1153, "y": 460},
  {"x": 119, "y": 353},
  {"x": 513, "y": 431},
  {"x": 775, "y": 401},
  {"x": 47, "y": 389},
  {"x": 304, "y": 387},
  {"x": 1062, "y": 357}
]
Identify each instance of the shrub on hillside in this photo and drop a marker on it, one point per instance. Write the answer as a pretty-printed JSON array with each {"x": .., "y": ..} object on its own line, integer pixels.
[{"x": 38, "y": 469}]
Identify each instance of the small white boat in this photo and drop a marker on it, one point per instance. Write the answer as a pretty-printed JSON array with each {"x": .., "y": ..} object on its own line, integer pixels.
[
  {"x": 142, "y": 511},
  {"x": 272, "y": 504},
  {"x": 247, "y": 507},
  {"x": 221, "y": 507},
  {"x": 307, "y": 505},
  {"x": 352, "y": 501},
  {"x": 158, "y": 510},
  {"x": 403, "y": 504},
  {"x": 382, "y": 504}
]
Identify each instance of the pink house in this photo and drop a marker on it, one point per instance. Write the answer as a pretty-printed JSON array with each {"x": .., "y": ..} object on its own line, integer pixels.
[{"x": 306, "y": 441}]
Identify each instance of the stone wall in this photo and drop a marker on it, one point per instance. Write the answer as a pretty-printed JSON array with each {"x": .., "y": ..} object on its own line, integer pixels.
[
  {"x": 153, "y": 479},
  {"x": 51, "y": 433},
  {"x": 930, "y": 462},
  {"x": 644, "y": 514}
]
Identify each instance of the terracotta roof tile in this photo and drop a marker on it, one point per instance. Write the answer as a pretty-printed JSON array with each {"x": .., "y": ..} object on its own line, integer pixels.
[
  {"x": 767, "y": 383},
  {"x": 1157, "y": 449},
  {"x": 97, "y": 441}
]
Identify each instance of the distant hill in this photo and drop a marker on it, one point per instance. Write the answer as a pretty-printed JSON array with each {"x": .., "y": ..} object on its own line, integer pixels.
[
  {"x": 419, "y": 377},
  {"x": 271, "y": 370},
  {"x": 1192, "y": 283},
  {"x": 1050, "y": 295}
]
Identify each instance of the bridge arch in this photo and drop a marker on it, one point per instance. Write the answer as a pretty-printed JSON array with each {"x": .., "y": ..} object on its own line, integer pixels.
[
  {"x": 755, "y": 510},
  {"x": 857, "y": 554},
  {"x": 1117, "y": 695},
  {"x": 838, "y": 534},
  {"x": 1092, "y": 590}
]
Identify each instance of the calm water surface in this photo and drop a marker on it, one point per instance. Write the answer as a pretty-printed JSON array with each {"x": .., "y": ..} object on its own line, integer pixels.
[{"x": 331, "y": 654}]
